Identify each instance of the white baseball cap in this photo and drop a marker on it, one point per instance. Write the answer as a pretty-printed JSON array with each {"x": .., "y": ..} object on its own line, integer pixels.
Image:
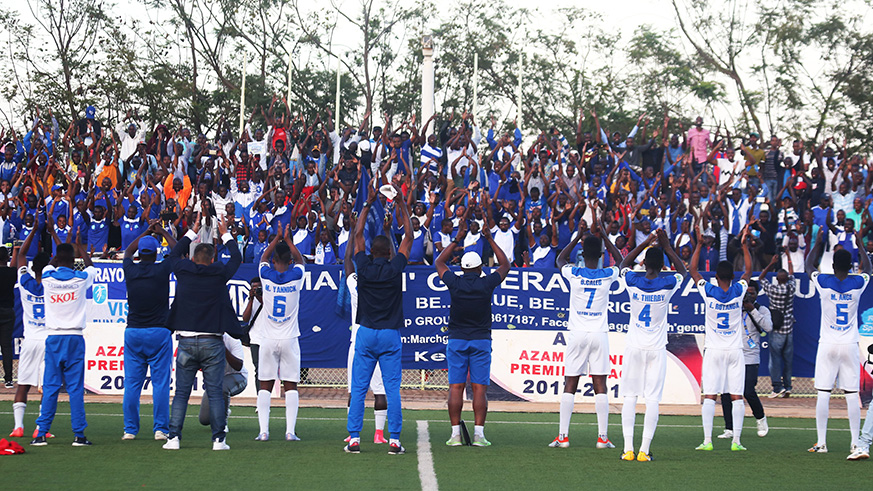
[
  {"x": 471, "y": 260},
  {"x": 364, "y": 145}
]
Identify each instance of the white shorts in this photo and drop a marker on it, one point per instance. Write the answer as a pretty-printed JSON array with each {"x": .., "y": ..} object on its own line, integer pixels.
[
  {"x": 31, "y": 362},
  {"x": 279, "y": 359},
  {"x": 376, "y": 384},
  {"x": 643, "y": 373},
  {"x": 724, "y": 372},
  {"x": 587, "y": 353},
  {"x": 838, "y": 365}
]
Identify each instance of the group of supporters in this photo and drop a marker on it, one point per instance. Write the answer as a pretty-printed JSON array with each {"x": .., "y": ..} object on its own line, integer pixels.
[{"x": 378, "y": 198}]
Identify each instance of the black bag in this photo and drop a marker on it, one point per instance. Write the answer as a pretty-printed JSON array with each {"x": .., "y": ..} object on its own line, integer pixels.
[{"x": 778, "y": 318}]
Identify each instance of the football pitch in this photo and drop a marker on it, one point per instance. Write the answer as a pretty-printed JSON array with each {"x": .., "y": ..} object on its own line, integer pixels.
[{"x": 518, "y": 459}]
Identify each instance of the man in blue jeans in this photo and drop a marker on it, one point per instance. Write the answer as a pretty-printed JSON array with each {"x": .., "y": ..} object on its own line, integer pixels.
[
  {"x": 469, "y": 347},
  {"x": 201, "y": 313},
  {"x": 64, "y": 290},
  {"x": 147, "y": 341},
  {"x": 380, "y": 315},
  {"x": 781, "y": 295}
]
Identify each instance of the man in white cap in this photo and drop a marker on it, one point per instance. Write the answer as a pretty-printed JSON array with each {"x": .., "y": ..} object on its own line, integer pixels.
[{"x": 469, "y": 347}]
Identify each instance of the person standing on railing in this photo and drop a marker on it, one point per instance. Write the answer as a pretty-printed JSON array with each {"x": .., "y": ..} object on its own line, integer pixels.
[
  {"x": 469, "y": 346},
  {"x": 781, "y": 295}
]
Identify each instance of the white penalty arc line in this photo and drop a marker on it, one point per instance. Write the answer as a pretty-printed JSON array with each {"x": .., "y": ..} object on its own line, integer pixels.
[
  {"x": 426, "y": 472},
  {"x": 781, "y": 428}
]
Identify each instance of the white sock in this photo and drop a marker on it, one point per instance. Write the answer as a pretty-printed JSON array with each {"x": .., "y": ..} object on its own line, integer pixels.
[
  {"x": 18, "y": 413},
  {"x": 649, "y": 425},
  {"x": 292, "y": 402},
  {"x": 264, "y": 411},
  {"x": 381, "y": 416},
  {"x": 853, "y": 403},
  {"x": 738, "y": 412},
  {"x": 821, "y": 416},
  {"x": 567, "y": 401},
  {"x": 708, "y": 413},
  {"x": 456, "y": 430},
  {"x": 479, "y": 431},
  {"x": 628, "y": 418},
  {"x": 601, "y": 407}
]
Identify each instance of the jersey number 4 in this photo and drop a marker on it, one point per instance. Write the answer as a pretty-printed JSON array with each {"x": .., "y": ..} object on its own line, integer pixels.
[{"x": 646, "y": 315}]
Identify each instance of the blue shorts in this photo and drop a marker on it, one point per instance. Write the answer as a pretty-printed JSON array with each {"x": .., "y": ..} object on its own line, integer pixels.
[{"x": 473, "y": 356}]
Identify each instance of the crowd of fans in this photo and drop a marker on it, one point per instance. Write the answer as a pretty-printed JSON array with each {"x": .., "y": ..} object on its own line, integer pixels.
[{"x": 102, "y": 184}]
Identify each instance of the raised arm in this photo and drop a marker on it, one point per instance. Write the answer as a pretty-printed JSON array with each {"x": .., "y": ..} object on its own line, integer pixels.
[
  {"x": 563, "y": 257},
  {"x": 863, "y": 258},
  {"x": 631, "y": 257},
  {"x": 295, "y": 253},
  {"x": 406, "y": 243},
  {"x": 695, "y": 258},
  {"x": 447, "y": 252},
  {"x": 360, "y": 243},
  {"x": 502, "y": 260},
  {"x": 677, "y": 262},
  {"x": 813, "y": 255},
  {"x": 747, "y": 255}
]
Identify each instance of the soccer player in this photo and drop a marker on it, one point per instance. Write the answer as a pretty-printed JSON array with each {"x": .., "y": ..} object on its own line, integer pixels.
[
  {"x": 838, "y": 354},
  {"x": 65, "y": 302},
  {"x": 279, "y": 348},
  {"x": 645, "y": 354},
  {"x": 588, "y": 330},
  {"x": 724, "y": 370},
  {"x": 469, "y": 346},
  {"x": 31, "y": 359},
  {"x": 380, "y": 315},
  {"x": 380, "y": 403},
  {"x": 148, "y": 344}
]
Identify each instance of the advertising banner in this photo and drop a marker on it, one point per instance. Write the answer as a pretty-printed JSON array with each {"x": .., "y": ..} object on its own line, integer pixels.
[{"x": 529, "y": 312}]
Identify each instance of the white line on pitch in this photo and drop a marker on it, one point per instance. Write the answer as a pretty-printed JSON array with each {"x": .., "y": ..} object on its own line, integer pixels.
[{"x": 425, "y": 459}]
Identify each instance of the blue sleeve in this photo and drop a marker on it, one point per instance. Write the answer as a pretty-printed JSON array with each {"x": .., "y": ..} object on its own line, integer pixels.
[
  {"x": 516, "y": 137},
  {"x": 235, "y": 259},
  {"x": 490, "y": 137}
]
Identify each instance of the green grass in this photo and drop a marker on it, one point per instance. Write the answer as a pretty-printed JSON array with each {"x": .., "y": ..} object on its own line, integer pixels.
[{"x": 518, "y": 458}]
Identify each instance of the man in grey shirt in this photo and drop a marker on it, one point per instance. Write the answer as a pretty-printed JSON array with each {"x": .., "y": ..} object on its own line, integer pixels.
[{"x": 756, "y": 321}]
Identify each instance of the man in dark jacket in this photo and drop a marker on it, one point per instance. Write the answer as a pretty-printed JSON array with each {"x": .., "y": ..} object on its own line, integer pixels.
[{"x": 200, "y": 314}]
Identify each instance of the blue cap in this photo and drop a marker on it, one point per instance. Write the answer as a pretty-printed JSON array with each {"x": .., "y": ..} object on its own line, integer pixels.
[
  {"x": 56, "y": 187},
  {"x": 90, "y": 112},
  {"x": 148, "y": 245}
]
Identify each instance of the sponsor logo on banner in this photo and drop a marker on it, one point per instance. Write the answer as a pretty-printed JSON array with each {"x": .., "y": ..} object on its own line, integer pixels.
[
  {"x": 100, "y": 293},
  {"x": 866, "y": 327}
]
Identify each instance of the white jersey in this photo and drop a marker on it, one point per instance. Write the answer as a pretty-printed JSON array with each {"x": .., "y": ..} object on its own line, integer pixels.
[
  {"x": 352, "y": 283},
  {"x": 235, "y": 347},
  {"x": 281, "y": 296},
  {"x": 839, "y": 306},
  {"x": 32, "y": 305},
  {"x": 724, "y": 314},
  {"x": 649, "y": 305},
  {"x": 505, "y": 240},
  {"x": 65, "y": 301},
  {"x": 589, "y": 297}
]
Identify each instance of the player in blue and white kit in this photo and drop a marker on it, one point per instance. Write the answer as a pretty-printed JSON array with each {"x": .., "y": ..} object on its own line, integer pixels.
[
  {"x": 645, "y": 354},
  {"x": 279, "y": 351},
  {"x": 588, "y": 337},
  {"x": 65, "y": 290},
  {"x": 838, "y": 355},
  {"x": 31, "y": 359},
  {"x": 724, "y": 368},
  {"x": 380, "y": 403}
]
